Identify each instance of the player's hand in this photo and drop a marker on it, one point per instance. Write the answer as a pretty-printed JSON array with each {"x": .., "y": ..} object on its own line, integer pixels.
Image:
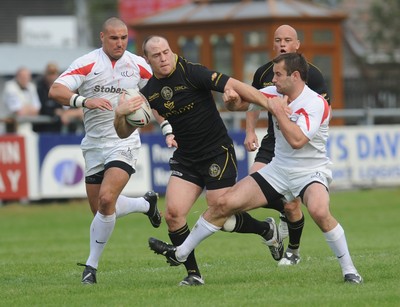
[
  {"x": 233, "y": 102},
  {"x": 170, "y": 141},
  {"x": 128, "y": 106},
  {"x": 98, "y": 103},
  {"x": 251, "y": 141},
  {"x": 278, "y": 105}
]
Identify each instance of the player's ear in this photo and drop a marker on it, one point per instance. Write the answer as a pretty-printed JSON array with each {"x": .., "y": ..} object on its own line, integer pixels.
[{"x": 298, "y": 45}]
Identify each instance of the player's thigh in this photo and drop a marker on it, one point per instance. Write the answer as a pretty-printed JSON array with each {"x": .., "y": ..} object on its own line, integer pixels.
[
  {"x": 316, "y": 199},
  {"x": 180, "y": 197},
  {"x": 92, "y": 192},
  {"x": 114, "y": 181},
  {"x": 244, "y": 195}
]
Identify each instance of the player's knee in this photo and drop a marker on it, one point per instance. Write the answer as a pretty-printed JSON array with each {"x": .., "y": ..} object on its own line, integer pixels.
[
  {"x": 293, "y": 210},
  {"x": 222, "y": 208},
  {"x": 173, "y": 215},
  {"x": 106, "y": 202}
]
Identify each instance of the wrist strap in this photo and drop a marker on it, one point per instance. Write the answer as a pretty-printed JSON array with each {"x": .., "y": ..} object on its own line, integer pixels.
[
  {"x": 77, "y": 101},
  {"x": 166, "y": 128}
]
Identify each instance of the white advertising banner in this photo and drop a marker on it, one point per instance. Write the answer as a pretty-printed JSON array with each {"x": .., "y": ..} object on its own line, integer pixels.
[
  {"x": 365, "y": 156},
  {"x": 62, "y": 173},
  {"x": 362, "y": 156}
]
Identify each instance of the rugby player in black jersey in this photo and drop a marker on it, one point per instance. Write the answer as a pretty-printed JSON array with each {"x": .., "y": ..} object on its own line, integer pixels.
[{"x": 180, "y": 94}]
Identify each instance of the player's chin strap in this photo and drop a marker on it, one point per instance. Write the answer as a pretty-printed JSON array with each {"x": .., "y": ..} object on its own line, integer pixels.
[{"x": 166, "y": 128}]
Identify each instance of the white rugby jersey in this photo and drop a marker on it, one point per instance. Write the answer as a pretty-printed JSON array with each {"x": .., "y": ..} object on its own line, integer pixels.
[
  {"x": 310, "y": 112},
  {"x": 95, "y": 75}
]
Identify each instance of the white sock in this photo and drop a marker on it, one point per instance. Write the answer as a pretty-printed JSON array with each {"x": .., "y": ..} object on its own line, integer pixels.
[
  {"x": 200, "y": 231},
  {"x": 337, "y": 242},
  {"x": 100, "y": 231},
  {"x": 126, "y": 205}
]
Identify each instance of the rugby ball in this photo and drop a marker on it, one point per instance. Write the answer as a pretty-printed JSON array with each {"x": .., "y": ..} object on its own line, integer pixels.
[{"x": 141, "y": 117}]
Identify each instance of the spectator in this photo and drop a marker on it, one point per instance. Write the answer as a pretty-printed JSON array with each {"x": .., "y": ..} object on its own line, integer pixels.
[
  {"x": 62, "y": 119},
  {"x": 20, "y": 99}
]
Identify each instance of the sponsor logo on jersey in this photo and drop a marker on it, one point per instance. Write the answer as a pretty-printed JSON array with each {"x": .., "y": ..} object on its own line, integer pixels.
[
  {"x": 107, "y": 89},
  {"x": 169, "y": 105},
  {"x": 177, "y": 111},
  {"x": 127, "y": 154},
  {"x": 153, "y": 97},
  {"x": 318, "y": 176},
  {"x": 265, "y": 84},
  {"x": 180, "y": 88}
]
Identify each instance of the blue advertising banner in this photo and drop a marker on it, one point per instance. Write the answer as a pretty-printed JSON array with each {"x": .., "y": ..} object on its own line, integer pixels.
[{"x": 160, "y": 155}]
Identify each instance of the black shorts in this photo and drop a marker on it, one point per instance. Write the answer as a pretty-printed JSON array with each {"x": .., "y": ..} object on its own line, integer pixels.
[
  {"x": 214, "y": 172},
  {"x": 266, "y": 151},
  {"x": 98, "y": 178}
]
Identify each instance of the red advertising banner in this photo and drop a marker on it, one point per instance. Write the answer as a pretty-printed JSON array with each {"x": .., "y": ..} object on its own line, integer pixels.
[
  {"x": 13, "y": 168},
  {"x": 134, "y": 9},
  {"x": 130, "y": 10}
]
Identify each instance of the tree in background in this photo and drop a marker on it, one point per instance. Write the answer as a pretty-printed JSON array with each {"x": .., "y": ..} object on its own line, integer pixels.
[{"x": 384, "y": 27}]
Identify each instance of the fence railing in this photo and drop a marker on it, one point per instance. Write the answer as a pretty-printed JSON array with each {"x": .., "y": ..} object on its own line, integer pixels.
[
  {"x": 235, "y": 120},
  {"x": 365, "y": 116}
]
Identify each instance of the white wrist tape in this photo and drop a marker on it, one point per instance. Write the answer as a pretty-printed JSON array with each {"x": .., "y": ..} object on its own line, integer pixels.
[
  {"x": 166, "y": 128},
  {"x": 77, "y": 101}
]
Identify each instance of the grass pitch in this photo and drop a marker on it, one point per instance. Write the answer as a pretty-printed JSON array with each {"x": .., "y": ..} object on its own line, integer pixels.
[{"x": 40, "y": 245}]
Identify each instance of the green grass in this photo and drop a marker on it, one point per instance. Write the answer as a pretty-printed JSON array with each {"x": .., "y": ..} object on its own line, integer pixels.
[{"x": 40, "y": 245}]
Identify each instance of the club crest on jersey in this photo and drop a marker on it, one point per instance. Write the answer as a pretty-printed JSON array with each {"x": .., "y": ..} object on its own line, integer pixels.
[
  {"x": 126, "y": 74},
  {"x": 214, "y": 170},
  {"x": 167, "y": 93}
]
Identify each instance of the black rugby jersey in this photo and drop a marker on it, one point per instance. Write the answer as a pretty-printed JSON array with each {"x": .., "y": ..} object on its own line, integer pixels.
[
  {"x": 263, "y": 78},
  {"x": 185, "y": 99}
]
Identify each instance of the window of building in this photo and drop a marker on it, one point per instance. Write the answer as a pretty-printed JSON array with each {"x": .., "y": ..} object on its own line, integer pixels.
[
  {"x": 252, "y": 61},
  {"x": 190, "y": 48},
  {"x": 322, "y": 36},
  {"x": 255, "y": 38},
  {"x": 222, "y": 53},
  {"x": 324, "y": 63}
]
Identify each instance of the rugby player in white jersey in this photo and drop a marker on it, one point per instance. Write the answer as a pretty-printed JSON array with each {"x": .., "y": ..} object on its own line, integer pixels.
[
  {"x": 93, "y": 82},
  {"x": 299, "y": 168}
]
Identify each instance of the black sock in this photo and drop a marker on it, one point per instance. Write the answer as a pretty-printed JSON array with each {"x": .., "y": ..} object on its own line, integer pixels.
[
  {"x": 245, "y": 223},
  {"x": 295, "y": 230},
  {"x": 177, "y": 238},
  {"x": 277, "y": 205}
]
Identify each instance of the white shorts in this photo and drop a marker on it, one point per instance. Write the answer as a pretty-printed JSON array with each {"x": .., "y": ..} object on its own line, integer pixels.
[
  {"x": 291, "y": 181},
  {"x": 100, "y": 151}
]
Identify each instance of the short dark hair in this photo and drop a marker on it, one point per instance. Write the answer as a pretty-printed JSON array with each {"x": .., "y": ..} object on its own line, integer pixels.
[{"x": 294, "y": 62}]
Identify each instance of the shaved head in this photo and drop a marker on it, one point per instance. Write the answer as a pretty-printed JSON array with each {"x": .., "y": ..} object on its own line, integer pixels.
[
  {"x": 285, "y": 40},
  {"x": 113, "y": 22},
  {"x": 287, "y": 30},
  {"x": 150, "y": 40}
]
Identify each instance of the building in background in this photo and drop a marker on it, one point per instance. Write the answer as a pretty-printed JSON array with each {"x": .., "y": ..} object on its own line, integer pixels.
[{"x": 235, "y": 37}]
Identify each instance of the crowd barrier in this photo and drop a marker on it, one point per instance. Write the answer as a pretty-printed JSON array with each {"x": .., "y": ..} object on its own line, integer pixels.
[{"x": 48, "y": 166}]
